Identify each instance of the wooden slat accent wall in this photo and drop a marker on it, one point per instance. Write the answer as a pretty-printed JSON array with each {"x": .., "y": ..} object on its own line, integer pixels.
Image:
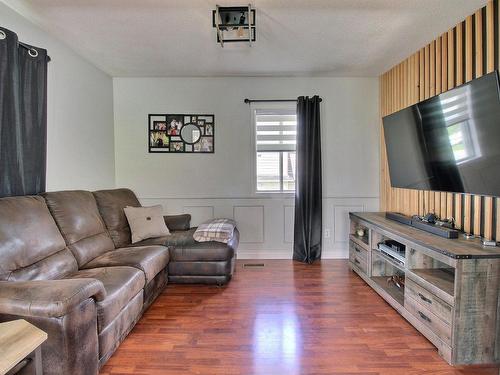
[{"x": 467, "y": 51}]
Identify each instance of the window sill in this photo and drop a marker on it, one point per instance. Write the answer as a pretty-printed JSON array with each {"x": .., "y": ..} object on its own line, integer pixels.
[{"x": 274, "y": 194}]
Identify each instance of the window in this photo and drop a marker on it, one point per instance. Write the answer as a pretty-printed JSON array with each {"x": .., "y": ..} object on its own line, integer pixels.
[
  {"x": 275, "y": 141},
  {"x": 459, "y": 137},
  {"x": 462, "y": 135}
]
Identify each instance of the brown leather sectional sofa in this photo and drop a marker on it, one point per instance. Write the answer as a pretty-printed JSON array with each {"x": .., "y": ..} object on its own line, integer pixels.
[{"x": 67, "y": 265}]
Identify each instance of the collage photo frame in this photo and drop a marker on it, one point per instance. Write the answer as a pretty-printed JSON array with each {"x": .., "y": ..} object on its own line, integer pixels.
[{"x": 181, "y": 133}]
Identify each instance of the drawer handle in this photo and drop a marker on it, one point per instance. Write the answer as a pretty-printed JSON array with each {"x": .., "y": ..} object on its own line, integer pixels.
[
  {"x": 424, "y": 298},
  {"x": 424, "y": 317},
  {"x": 357, "y": 250}
]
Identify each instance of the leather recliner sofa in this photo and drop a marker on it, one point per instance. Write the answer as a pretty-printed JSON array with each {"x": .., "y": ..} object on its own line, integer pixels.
[{"x": 68, "y": 267}]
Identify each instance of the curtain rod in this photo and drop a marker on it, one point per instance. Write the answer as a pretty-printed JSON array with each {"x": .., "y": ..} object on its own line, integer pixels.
[{"x": 248, "y": 101}]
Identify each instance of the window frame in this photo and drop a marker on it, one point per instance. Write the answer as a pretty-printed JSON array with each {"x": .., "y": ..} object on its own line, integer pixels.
[{"x": 253, "y": 109}]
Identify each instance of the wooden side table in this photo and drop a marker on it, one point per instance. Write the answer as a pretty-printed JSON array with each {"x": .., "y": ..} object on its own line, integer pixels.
[{"x": 20, "y": 347}]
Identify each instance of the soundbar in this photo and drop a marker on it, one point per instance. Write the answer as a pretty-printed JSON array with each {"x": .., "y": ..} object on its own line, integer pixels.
[
  {"x": 422, "y": 225},
  {"x": 435, "y": 229},
  {"x": 396, "y": 216}
]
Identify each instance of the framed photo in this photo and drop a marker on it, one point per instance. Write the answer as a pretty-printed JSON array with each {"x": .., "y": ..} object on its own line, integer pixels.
[
  {"x": 158, "y": 139},
  {"x": 181, "y": 133},
  {"x": 176, "y": 146},
  {"x": 206, "y": 144},
  {"x": 174, "y": 124},
  {"x": 209, "y": 130},
  {"x": 160, "y": 125}
]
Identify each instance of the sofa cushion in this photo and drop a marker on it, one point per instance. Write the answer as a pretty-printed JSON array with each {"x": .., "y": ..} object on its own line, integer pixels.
[
  {"x": 182, "y": 238},
  {"x": 53, "y": 267},
  {"x": 149, "y": 259},
  {"x": 178, "y": 222},
  {"x": 111, "y": 204},
  {"x": 146, "y": 222},
  {"x": 31, "y": 246},
  {"x": 80, "y": 223},
  {"x": 121, "y": 284}
]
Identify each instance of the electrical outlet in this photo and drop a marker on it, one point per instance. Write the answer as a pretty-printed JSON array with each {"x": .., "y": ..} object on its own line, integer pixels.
[{"x": 327, "y": 233}]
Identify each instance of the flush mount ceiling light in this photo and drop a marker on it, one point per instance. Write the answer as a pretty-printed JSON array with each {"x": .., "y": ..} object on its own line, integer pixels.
[{"x": 234, "y": 24}]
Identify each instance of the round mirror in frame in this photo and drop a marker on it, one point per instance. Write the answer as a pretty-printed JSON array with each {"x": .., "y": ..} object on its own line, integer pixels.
[{"x": 190, "y": 133}]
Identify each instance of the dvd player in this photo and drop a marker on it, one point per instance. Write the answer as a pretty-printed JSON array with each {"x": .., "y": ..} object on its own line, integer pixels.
[{"x": 394, "y": 250}]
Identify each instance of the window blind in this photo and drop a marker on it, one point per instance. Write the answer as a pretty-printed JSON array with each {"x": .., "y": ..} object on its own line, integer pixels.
[{"x": 276, "y": 131}]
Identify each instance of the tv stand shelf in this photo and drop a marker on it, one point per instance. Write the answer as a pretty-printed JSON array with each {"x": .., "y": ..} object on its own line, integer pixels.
[
  {"x": 390, "y": 288},
  {"x": 448, "y": 289},
  {"x": 439, "y": 278}
]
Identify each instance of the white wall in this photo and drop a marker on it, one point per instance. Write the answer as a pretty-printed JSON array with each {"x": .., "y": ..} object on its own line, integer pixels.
[
  {"x": 220, "y": 184},
  {"x": 80, "y": 113}
]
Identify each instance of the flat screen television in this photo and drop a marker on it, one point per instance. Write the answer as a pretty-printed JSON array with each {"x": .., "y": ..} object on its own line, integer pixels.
[{"x": 450, "y": 142}]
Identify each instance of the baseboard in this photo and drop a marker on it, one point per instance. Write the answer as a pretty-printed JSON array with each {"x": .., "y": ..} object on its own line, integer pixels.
[
  {"x": 259, "y": 254},
  {"x": 335, "y": 254},
  {"x": 338, "y": 253}
]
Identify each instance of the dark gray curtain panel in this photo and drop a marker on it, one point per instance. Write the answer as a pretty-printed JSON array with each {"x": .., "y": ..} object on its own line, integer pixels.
[
  {"x": 23, "y": 116},
  {"x": 308, "y": 192}
]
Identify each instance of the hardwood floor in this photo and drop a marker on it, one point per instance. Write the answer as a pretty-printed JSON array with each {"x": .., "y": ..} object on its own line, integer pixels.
[{"x": 286, "y": 318}]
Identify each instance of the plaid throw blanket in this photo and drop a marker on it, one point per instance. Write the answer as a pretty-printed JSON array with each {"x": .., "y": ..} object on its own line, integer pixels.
[{"x": 220, "y": 230}]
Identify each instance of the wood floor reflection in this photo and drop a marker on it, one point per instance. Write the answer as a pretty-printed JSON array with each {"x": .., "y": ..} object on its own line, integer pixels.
[{"x": 286, "y": 318}]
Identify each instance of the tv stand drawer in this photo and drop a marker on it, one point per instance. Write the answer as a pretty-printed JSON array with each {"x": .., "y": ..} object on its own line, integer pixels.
[
  {"x": 429, "y": 319},
  {"x": 358, "y": 257},
  {"x": 358, "y": 251},
  {"x": 427, "y": 299},
  {"x": 360, "y": 264}
]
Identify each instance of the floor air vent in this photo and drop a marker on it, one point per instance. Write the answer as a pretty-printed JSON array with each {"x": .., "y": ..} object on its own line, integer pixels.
[{"x": 253, "y": 265}]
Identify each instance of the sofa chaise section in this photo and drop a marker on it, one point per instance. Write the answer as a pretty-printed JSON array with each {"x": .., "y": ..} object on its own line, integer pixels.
[
  {"x": 194, "y": 262},
  {"x": 203, "y": 262},
  {"x": 190, "y": 261}
]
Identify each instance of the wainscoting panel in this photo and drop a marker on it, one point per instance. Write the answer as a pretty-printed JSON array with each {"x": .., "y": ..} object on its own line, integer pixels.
[
  {"x": 199, "y": 214},
  {"x": 266, "y": 224},
  {"x": 250, "y": 221},
  {"x": 289, "y": 219},
  {"x": 467, "y": 51}
]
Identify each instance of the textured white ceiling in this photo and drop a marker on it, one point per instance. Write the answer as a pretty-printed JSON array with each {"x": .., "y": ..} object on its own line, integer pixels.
[{"x": 294, "y": 37}]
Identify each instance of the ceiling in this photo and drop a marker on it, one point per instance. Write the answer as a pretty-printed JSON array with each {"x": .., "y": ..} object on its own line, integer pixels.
[{"x": 294, "y": 37}]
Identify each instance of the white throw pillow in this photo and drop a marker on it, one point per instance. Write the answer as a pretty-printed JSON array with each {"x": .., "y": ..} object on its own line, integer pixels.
[{"x": 146, "y": 222}]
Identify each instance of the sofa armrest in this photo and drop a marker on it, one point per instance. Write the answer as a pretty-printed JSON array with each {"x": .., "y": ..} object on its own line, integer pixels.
[
  {"x": 178, "y": 222},
  {"x": 47, "y": 298}
]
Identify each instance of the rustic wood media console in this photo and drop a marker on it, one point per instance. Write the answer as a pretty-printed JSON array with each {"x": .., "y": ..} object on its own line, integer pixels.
[{"x": 450, "y": 291}]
